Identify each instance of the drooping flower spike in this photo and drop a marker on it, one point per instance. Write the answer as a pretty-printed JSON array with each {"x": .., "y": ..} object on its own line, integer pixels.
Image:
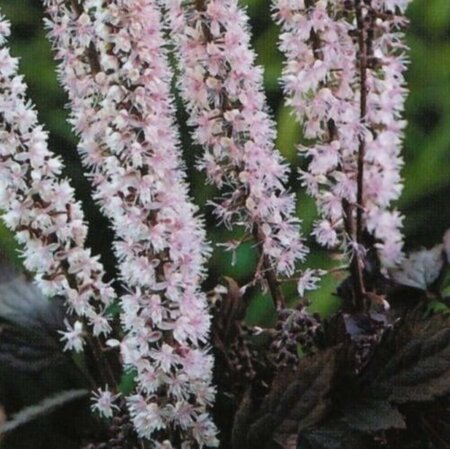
[
  {"x": 113, "y": 66},
  {"x": 41, "y": 209},
  {"x": 343, "y": 78},
  {"x": 223, "y": 93}
]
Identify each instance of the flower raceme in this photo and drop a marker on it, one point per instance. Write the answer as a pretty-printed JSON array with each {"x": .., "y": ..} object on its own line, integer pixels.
[
  {"x": 343, "y": 78},
  {"x": 42, "y": 211},
  {"x": 222, "y": 90},
  {"x": 114, "y": 68}
]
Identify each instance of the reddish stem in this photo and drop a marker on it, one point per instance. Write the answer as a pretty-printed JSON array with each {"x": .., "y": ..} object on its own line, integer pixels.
[
  {"x": 363, "y": 112},
  {"x": 270, "y": 275}
]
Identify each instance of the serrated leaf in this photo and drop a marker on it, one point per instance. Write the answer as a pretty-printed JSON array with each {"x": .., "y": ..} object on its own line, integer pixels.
[
  {"x": 419, "y": 371},
  {"x": 242, "y": 421},
  {"x": 321, "y": 439},
  {"x": 373, "y": 415},
  {"x": 334, "y": 436},
  {"x": 28, "y": 351},
  {"x": 298, "y": 400}
]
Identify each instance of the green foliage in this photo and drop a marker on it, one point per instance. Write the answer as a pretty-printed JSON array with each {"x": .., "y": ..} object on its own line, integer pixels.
[{"x": 127, "y": 382}]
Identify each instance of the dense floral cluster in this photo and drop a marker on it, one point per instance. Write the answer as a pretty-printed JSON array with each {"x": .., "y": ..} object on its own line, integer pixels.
[
  {"x": 222, "y": 90},
  {"x": 344, "y": 80},
  {"x": 42, "y": 211},
  {"x": 114, "y": 69}
]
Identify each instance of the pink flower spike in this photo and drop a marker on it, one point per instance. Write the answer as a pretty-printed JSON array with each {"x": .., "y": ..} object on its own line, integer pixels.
[
  {"x": 322, "y": 78},
  {"x": 223, "y": 93},
  {"x": 42, "y": 211},
  {"x": 121, "y": 108}
]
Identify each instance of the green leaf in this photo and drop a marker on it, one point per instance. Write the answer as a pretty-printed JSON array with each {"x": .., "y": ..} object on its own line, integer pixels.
[
  {"x": 8, "y": 246},
  {"x": 127, "y": 382}
]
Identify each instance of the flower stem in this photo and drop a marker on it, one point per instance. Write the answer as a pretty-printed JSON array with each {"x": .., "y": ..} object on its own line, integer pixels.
[
  {"x": 270, "y": 275},
  {"x": 362, "y": 42}
]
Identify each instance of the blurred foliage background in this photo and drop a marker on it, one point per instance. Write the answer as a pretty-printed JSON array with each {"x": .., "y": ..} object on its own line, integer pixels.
[{"x": 425, "y": 201}]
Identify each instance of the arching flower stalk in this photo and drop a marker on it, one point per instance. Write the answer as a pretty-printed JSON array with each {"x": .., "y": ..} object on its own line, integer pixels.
[
  {"x": 343, "y": 78},
  {"x": 223, "y": 94},
  {"x": 42, "y": 211},
  {"x": 115, "y": 71}
]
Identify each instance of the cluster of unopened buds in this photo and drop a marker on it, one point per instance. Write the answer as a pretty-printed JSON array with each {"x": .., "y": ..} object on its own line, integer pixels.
[{"x": 296, "y": 330}]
